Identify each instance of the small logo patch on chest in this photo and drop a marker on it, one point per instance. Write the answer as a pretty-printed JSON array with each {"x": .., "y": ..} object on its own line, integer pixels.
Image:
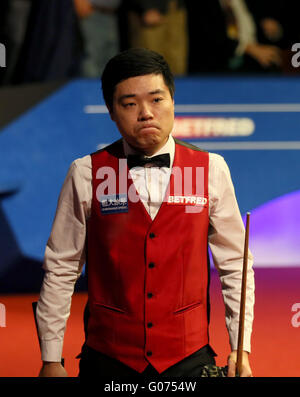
[{"x": 112, "y": 204}]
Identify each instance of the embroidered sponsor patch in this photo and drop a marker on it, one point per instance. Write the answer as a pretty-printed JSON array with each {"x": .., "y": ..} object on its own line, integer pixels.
[
  {"x": 112, "y": 204},
  {"x": 187, "y": 200}
]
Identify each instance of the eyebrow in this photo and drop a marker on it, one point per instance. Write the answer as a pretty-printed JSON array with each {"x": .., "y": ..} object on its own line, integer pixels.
[
  {"x": 155, "y": 92},
  {"x": 158, "y": 91}
]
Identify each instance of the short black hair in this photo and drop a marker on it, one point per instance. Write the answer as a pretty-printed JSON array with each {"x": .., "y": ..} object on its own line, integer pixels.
[{"x": 131, "y": 63}]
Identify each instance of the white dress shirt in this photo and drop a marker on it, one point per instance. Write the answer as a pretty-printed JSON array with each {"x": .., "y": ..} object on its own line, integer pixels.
[{"x": 65, "y": 250}]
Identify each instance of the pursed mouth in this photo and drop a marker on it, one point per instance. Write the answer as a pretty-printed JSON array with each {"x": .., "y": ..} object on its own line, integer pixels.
[{"x": 150, "y": 126}]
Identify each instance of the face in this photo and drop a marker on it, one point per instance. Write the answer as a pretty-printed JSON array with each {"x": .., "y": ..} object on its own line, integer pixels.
[{"x": 143, "y": 110}]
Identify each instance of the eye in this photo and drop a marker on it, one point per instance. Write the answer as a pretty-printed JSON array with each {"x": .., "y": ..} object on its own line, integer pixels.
[
  {"x": 158, "y": 99},
  {"x": 128, "y": 105}
]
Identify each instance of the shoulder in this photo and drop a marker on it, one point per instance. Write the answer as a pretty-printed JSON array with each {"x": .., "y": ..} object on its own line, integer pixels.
[
  {"x": 219, "y": 172},
  {"x": 217, "y": 161},
  {"x": 82, "y": 163},
  {"x": 218, "y": 167},
  {"x": 81, "y": 169},
  {"x": 114, "y": 149},
  {"x": 188, "y": 146}
]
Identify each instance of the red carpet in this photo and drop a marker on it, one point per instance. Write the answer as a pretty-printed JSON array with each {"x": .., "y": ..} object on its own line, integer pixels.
[{"x": 275, "y": 342}]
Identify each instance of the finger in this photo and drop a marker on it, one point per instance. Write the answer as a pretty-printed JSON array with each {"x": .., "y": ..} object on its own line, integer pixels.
[{"x": 246, "y": 373}]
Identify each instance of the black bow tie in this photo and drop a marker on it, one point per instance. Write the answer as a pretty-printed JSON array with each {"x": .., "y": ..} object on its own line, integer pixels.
[{"x": 162, "y": 160}]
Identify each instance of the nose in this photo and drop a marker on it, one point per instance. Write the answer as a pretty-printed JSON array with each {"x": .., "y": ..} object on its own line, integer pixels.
[{"x": 145, "y": 112}]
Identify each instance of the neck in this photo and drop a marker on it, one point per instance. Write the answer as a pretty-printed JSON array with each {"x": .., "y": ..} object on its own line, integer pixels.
[{"x": 147, "y": 151}]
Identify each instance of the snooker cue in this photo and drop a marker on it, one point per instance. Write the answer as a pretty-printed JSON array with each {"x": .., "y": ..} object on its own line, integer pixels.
[{"x": 243, "y": 301}]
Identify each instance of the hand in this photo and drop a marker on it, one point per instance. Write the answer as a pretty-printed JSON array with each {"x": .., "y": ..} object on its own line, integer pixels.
[
  {"x": 271, "y": 28},
  {"x": 152, "y": 17},
  {"x": 83, "y": 8},
  {"x": 52, "y": 370},
  {"x": 266, "y": 55},
  {"x": 232, "y": 359}
]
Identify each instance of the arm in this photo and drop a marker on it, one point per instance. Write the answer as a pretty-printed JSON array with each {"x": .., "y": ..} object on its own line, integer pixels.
[
  {"x": 64, "y": 259},
  {"x": 265, "y": 55},
  {"x": 226, "y": 240}
]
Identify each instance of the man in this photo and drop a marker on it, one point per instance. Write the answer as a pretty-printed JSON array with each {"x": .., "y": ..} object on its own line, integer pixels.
[
  {"x": 160, "y": 25},
  {"x": 145, "y": 244},
  {"x": 223, "y": 38},
  {"x": 98, "y": 21}
]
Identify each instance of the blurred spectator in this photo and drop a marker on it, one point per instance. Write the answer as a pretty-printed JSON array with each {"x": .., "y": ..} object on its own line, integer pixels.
[
  {"x": 277, "y": 23},
  {"x": 160, "y": 25},
  {"x": 223, "y": 38},
  {"x": 3, "y": 36},
  {"x": 14, "y": 18},
  {"x": 50, "y": 49},
  {"x": 100, "y": 33}
]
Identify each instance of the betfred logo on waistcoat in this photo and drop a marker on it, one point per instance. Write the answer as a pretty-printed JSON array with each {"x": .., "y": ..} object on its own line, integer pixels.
[
  {"x": 193, "y": 204},
  {"x": 187, "y": 200}
]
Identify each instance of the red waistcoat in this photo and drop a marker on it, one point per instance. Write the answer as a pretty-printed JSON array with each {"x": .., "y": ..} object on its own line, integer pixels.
[{"x": 148, "y": 280}]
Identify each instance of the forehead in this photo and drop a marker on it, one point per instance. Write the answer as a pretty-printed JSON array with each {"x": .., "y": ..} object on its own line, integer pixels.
[{"x": 141, "y": 85}]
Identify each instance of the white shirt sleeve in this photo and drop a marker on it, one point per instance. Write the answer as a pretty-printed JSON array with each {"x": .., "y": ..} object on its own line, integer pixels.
[
  {"x": 226, "y": 241},
  {"x": 63, "y": 263}
]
